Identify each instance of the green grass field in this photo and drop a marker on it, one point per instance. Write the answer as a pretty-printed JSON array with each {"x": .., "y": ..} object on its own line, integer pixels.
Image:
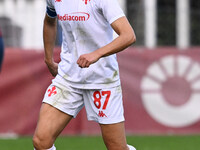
[{"x": 96, "y": 143}]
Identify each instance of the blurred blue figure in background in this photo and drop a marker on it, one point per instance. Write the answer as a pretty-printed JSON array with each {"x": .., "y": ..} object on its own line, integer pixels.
[{"x": 1, "y": 50}]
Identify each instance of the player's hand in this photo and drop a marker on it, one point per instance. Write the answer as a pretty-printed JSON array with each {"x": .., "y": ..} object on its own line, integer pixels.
[
  {"x": 85, "y": 60},
  {"x": 53, "y": 68}
]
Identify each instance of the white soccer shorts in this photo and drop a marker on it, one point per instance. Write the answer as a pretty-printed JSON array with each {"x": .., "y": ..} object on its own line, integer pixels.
[{"x": 104, "y": 106}]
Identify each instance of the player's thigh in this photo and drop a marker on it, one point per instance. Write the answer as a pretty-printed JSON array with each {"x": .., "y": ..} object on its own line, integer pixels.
[
  {"x": 51, "y": 122},
  {"x": 114, "y": 136}
]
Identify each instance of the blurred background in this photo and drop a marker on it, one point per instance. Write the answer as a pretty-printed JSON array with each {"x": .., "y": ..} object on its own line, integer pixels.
[{"x": 160, "y": 73}]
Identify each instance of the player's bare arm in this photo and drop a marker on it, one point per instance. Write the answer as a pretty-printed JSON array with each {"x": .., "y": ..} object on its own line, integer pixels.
[
  {"x": 126, "y": 38},
  {"x": 49, "y": 37}
]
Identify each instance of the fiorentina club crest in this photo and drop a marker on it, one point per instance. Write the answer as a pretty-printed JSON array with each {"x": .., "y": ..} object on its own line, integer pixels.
[
  {"x": 58, "y": 0},
  {"x": 86, "y": 1},
  {"x": 52, "y": 91}
]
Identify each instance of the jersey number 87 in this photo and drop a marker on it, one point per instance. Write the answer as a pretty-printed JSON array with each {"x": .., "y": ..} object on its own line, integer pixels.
[{"x": 97, "y": 98}]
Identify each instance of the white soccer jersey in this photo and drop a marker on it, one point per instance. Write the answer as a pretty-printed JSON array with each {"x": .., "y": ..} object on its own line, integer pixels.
[{"x": 85, "y": 28}]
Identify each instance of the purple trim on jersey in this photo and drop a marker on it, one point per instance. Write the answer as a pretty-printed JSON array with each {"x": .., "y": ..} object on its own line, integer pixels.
[{"x": 51, "y": 12}]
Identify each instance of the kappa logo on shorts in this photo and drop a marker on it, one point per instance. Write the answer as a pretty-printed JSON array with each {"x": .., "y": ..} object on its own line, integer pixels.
[
  {"x": 101, "y": 114},
  {"x": 52, "y": 91},
  {"x": 86, "y": 1}
]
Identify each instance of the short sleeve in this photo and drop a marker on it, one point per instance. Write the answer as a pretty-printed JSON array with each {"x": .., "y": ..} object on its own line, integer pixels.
[
  {"x": 111, "y": 10},
  {"x": 51, "y": 12}
]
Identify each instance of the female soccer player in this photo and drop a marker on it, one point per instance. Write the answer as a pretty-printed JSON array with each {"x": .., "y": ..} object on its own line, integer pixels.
[{"x": 88, "y": 73}]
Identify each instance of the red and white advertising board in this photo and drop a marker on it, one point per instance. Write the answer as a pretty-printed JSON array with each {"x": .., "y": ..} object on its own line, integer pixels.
[{"x": 161, "y": 92}]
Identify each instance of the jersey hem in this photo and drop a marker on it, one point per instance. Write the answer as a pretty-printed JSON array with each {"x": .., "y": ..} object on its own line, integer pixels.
[{"x": 89, "y": 85}]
